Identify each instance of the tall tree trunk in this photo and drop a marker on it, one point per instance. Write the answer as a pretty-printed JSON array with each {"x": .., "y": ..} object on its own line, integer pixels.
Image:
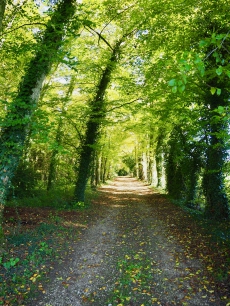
[
  {"x": 53, "y": 159},
  {"x": 2, "y": 12},
  {"x": 159, "y": 158},
  {"x": 104, "y": 169},
  {"x": 17, "y": 122},
  {"x": 213, "y": 181},
  {"x": 93, "y": 126}
]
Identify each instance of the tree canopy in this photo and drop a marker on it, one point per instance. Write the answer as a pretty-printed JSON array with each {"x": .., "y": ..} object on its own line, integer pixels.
[{"x": 91, "y": 89}]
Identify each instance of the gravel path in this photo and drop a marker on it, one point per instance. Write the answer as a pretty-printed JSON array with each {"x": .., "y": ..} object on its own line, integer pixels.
[{"x": 129, "y": 232}]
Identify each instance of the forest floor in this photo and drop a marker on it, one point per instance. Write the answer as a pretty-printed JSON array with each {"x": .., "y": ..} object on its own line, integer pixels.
[{"x": 133, "y": 248}]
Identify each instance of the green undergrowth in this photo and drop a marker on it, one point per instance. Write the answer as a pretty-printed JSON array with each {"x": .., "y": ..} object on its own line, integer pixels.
[
  {"x": 37, "y": 242},
  {"x": 218, "y": 231},
  {"x": 60, "y": 198},
  {"x": 29, "y": 256}
]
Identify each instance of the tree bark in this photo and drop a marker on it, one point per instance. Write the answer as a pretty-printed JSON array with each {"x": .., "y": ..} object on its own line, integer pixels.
[
  {"x": 17, "y": 122},
  {"x": 2, "y": 12},
  {"x": 93, "y": 125},
  {"x": 213, "y": 181},
  {"x": 53, "y": 160}
]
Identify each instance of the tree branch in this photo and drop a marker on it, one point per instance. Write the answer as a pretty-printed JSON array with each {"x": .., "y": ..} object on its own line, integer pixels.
[
  {"x": 116, "y": 16},
  {"x": 221, "y": 45},
  {"x": 119, "y": 106},
  {"x": 26, "y": 24},
  {"x": 101, "y": 37}
]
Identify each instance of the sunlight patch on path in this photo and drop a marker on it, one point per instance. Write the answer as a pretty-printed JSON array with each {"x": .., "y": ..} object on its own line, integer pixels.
[{"x": 129, "y": 257}]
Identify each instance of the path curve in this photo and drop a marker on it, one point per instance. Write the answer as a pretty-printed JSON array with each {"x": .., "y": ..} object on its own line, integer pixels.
[{"x": 129, "y": 229}]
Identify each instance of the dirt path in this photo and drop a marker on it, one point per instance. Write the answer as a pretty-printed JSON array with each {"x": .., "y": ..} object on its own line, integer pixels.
[{"x": 130, "y": 255}]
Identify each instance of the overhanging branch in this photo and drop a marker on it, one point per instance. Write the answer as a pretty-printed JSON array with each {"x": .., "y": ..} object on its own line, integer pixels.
[
  {"x": 101, "y": 37},
  {"x": 26, "y": 24},
  {"x": 119, "y": 106}
]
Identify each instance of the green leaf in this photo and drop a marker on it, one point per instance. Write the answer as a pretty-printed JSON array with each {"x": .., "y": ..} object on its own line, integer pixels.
[
  {"x": 172, "y": 82},
  {"x": 220, "y": 110},
  {"x": 218, "y": 92},
  {"x": 182, "y": 88},
  {"x": 213, "y": 90},
  {"x": 188, "y": 67},
  {"x": 174, "y": 89},
  {"x": 203, "y": 43},
  {"x": 219, "y": 70}
]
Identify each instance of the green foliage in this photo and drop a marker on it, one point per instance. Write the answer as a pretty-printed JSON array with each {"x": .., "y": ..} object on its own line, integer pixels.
[
  {"x": 78, "y": 205},
  {"x": 154, "y": 82},
  {"x": 183, "y": 167},
  {"x": 11, "y": 263},
  {"x": 24, "y": 181},
  {"x": 130, "y": 162},
  {"x": 122, "y": 172}
]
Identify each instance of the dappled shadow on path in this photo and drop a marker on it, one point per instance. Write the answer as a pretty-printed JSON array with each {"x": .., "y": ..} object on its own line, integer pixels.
[
  {"x": 124, "y": 189},
  {"x": 126, "y": 185},
  {"x": 140, "y": 250}
]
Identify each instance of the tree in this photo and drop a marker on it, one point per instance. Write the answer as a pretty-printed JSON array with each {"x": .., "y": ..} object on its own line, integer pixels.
[
  {"x": 211, "y": 61},
  {"x": 94, "y": 122},
  {"x": 16, "y": 124},
  {"x": 2, "y": 12}
]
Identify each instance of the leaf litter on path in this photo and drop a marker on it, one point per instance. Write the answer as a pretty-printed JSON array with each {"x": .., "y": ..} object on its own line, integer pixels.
[{"x": 136, "y": 253}]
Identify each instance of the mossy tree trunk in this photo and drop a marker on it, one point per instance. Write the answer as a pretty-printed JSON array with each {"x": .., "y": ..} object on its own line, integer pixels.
[
  {"x": 213, "y": 180},
  {"x": 93, "y": 125},
  {"x": 2, "y": 12},
  {"x": 17, "y": 122}
]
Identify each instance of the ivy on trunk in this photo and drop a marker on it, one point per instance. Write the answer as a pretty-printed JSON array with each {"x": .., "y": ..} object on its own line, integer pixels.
[
  {"x": 16, "y": 125},
  {"x": 93, "y": 125}
]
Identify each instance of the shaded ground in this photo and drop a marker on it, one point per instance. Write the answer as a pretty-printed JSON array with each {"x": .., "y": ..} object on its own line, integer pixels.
[
  {"x": 140, "y": 250},
  {"x": 133, "y": 248}
]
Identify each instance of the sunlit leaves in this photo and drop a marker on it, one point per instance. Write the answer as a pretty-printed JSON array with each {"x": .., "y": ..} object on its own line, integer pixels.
[{"x": 178, "y": 85}]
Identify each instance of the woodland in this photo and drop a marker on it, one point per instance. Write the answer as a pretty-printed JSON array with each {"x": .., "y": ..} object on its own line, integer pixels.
[{"x": 94, "y": 89}]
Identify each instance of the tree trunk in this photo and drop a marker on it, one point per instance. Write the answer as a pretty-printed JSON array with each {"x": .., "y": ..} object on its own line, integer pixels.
[
  {"x": 104, "y": 169},
  {"x": 159, "y": 158},
  {"x": 213, "y": 180},
  {"x": 93, "y": 126},
  {"x": 53, "y": 160},
  {"x": 17, "y": 122},
  {"x": 2, "y": 12}
]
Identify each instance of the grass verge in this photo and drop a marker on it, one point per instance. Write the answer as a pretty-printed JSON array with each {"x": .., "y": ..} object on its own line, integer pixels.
[{"x": 28, "y": 258}]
